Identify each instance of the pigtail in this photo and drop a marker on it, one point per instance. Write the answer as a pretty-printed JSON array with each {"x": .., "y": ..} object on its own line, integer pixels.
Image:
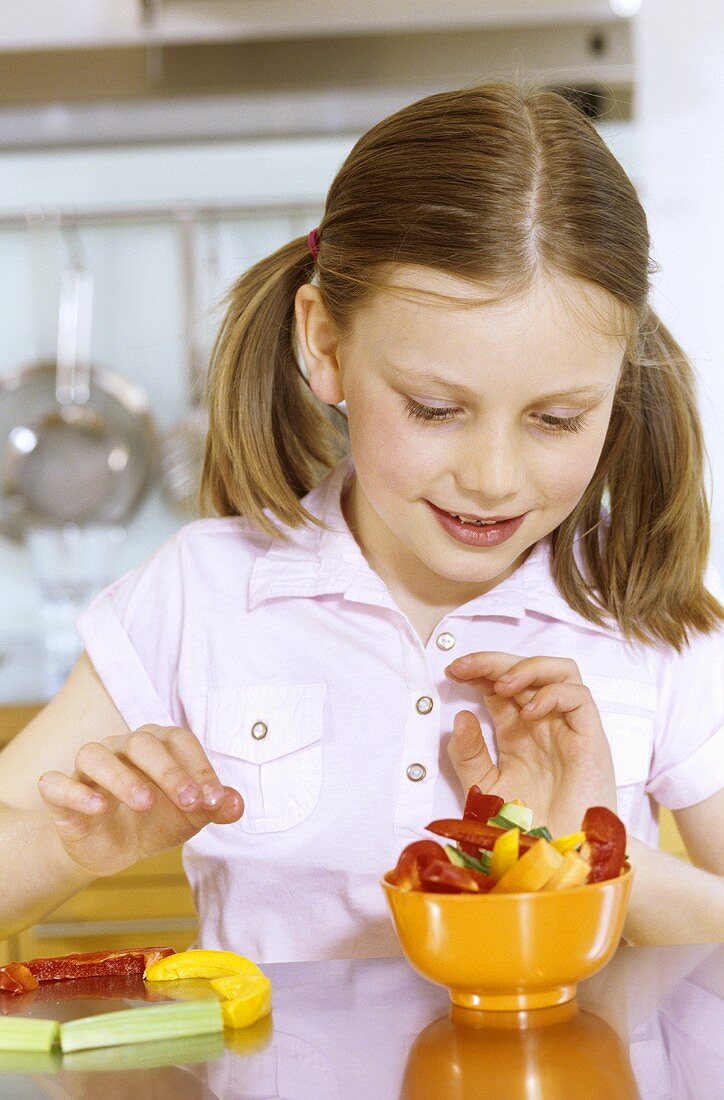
[
  {"x": 270, "y": 440},
  {"x": 645, "y": 563}
]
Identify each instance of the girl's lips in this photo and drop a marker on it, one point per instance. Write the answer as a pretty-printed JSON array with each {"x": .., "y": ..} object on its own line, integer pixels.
[{"x": 472, "y": 535}]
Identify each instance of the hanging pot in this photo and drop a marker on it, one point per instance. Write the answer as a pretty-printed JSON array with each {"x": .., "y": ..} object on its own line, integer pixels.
[{"x": 77, "y": 442}]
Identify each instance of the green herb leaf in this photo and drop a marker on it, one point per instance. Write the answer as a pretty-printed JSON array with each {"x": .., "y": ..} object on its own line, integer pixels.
[
  {"x": 541, "y": 832},
  {"x": 482, "y": 864}
]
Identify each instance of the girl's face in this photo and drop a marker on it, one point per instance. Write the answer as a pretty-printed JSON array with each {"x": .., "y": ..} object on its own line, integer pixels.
[{"x": 497, "y": 412}]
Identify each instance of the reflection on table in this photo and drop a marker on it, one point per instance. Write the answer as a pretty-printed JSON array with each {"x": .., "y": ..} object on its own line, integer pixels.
[{"x": 649, "y": 1025}]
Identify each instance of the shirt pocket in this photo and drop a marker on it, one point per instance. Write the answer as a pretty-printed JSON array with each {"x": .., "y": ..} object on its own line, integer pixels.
[{"x": 266, "y": 740}]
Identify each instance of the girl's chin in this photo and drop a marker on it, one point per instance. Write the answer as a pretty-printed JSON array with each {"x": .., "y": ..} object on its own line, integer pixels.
[{"x": 462, "y": 574}]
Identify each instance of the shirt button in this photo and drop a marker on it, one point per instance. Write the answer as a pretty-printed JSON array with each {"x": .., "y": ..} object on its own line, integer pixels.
[
  {"x": 259, "y": 731},
  {"x": 416, "y": 772},
  {"x": 424, "y": 704},
  {"x": 445, "y": 640}
]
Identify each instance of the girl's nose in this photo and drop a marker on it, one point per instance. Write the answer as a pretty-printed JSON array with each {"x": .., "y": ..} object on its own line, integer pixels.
[{"x": 491, "y": 470}]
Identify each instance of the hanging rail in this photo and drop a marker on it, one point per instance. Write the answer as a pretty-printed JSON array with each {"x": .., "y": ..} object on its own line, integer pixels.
[{"x": 56, "y": 216}]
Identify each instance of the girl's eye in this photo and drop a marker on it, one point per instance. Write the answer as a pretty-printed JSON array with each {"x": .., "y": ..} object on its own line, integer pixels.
[
  {"x": 416, "y": 411},
  {"x": 563, "y": 423}
]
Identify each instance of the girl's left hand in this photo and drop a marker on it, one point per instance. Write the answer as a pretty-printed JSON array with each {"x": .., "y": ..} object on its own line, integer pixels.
[{"x": 552, "y": 750}]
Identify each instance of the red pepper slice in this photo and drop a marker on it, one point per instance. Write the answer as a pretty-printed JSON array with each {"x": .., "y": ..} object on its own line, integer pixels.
[
  {"x": 413, "y": 861},
  {"x": 17, "y": 978},
  {"x": 445, "y": 878},
  {"x": 606, "y": 840},
  {"x": 481, "y": 807},
  {"x": 477, "y": 833},
  {"x": 92, "y": 964}
]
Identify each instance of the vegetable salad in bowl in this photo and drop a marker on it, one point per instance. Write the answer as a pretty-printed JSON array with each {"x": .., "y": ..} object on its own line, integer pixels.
[{"x": 505, "y": 915}]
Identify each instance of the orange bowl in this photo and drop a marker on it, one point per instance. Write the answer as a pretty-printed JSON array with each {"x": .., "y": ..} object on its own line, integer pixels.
[{"x": 511, "y": 952}]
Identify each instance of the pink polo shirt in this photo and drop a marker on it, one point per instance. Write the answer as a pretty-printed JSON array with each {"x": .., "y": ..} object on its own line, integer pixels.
[{"x": 313, "y": 695}]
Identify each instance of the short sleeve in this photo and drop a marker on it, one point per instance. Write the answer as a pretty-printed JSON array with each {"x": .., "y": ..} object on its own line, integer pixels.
[
  {"x": 132, "y": 634},
  {"x": 688, "y": 757}
]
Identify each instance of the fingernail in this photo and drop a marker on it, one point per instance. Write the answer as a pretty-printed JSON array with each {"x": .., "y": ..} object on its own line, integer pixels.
[
  {"x": 506, "y": 679},
  {"x": 141, "y": 798},
  {"x": 528, "y": 708},
  {"x": 94, "y": 802},
  {"x": 188, "y": 795},
  {"x": 212, "y": 795}
]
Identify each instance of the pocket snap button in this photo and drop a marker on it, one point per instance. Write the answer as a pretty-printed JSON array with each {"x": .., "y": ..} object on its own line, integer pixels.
[
  {"x": 416, "y": 772},
  {"x": 424, "y": 704},
  {"x": 259, "y": 731}
]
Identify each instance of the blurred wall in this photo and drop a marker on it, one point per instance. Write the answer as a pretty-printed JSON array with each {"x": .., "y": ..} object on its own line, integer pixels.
[
  {"x": 139, "y": 327},
  {"x": 679, "y": 107}
]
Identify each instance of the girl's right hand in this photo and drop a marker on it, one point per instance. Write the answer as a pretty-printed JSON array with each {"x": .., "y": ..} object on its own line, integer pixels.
[{"x": 135, "y": 796}]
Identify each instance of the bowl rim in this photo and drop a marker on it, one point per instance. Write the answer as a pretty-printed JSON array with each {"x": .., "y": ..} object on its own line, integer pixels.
[{"x": 567, "y": 891}]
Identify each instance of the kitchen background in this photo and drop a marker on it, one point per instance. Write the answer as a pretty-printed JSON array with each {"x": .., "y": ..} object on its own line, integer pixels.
[{"x": 163, "y": 146}]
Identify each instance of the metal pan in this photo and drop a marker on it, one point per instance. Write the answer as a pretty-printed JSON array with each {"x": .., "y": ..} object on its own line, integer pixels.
[{"x": 77, "y": 442}]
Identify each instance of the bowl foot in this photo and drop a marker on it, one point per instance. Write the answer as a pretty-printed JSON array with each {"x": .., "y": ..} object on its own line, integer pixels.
[{"x": 513, "y": 1002}]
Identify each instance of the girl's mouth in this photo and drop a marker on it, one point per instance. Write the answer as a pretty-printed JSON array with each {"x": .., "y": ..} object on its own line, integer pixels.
[{"x": 477, "y": 530}]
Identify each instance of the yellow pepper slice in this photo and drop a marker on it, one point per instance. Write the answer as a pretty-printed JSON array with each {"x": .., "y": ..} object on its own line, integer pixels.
[
  {"x": 249, "y": 998},
  {"x": 200, "y": 964},
  {"x": 505, "y": 853},
  {"x": 572, "y": 872},
  {"x": 532, "y": 871},
  {"x": 565, "y": 844}
]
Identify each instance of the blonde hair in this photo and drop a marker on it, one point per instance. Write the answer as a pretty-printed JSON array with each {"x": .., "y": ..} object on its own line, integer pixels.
[{"x": 494, "y": 184}]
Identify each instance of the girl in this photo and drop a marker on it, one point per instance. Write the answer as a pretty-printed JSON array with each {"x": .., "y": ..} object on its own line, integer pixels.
[{"x": 503, "y": 583}]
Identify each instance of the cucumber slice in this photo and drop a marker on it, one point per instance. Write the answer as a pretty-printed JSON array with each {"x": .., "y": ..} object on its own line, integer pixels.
[
  {"x": 454, "y": 856},
  {"x": 141, "y": 1025},
  {"x": 504, "y": 822},
  {"x": 522, "y": 816}
]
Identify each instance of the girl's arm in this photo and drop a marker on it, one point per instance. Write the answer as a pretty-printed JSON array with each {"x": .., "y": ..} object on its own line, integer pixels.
[
  {"x": 671, "y": 900},
  {"x": 36, "y": 872},
  {"x": 53, "y": 841},
  {"x": 702, "y": 830}
]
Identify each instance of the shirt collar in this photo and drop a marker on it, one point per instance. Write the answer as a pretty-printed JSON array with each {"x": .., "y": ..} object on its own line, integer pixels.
[{"x": 314, "y": 561}]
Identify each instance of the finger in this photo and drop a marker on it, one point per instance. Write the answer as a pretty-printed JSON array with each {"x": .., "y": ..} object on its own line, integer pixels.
[
  {"x": 73, "y": 806},
  {"x": 534, "y": 672},
  {"x": 97, "y": 763},
  {"x": 488, "y": 665},
  {"x": 154, "y": 759},
  {"x": 188, "y": 750},
  {"x": 229, "y": 809},
  {"x": 574, "y": 701},
  {"x": 514, "y": 673},
  {"x": 469, "y": 754}
]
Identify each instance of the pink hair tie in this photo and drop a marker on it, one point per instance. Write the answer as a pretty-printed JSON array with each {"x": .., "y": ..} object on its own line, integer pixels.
[{"x": 313, "y": 244}]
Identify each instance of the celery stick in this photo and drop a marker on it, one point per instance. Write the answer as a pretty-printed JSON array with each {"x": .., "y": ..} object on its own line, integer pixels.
[
  {"x": 162, "y": 1052},
  {"x": 21, "y": 1033},
  {"x": 30, "y": 1061},
  {"x": 141, "y": 1025}
]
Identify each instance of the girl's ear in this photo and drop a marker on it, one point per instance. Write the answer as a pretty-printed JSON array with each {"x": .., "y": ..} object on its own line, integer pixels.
[{"x": 318, "y": 343}]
